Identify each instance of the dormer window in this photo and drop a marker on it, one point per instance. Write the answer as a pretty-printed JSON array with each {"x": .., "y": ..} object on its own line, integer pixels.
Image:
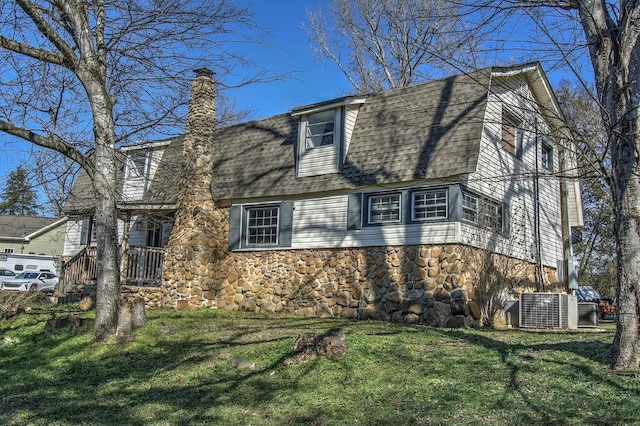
[
  {"x": 137, "y": 164},
  {"x": 320, "y": 129},
  {"x": 324, "y": 133}
]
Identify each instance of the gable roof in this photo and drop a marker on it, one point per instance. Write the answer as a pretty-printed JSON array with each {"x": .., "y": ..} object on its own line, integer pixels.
[
  {"x": 427, "y": 131},
  {"x": 24, "y": 227}
]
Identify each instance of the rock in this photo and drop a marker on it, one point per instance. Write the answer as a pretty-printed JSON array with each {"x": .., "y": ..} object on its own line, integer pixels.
[
  {"x": 441, "y": 295},
  {"x": 86, "y": 303},
  {"x": 458, "y": 321},
  {"x": 395, "y": 296},
  {"x": 412, "y": 319},
  {"x": 474, "y": 310},
  {"x": 415, "y": 308},
  {"x": 458, "y": 307},
  {"x": 457, "y": 294},
  {"x": 442, "y": 310},
  {"x": 242, "y": 363}
]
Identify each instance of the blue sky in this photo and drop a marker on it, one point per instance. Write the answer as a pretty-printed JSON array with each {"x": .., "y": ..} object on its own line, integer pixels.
[
  {"x": 286, "y": 50},
  {"x": 290, "y": 52}
]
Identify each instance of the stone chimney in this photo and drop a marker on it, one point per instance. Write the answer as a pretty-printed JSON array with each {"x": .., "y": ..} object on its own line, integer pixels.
[
  {"x": 198, "y": 241},
  {"x": 198, "y": 139}
]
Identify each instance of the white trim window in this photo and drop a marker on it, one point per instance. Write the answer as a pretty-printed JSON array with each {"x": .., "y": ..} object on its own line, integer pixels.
[
  {"x": 385, "y": 208},
  {"x": 320, "y": 129},
  {"x": 482, "y": 212},
  {"x": 546, "y": 157},
  {"x": 137, "y": 164},
  {"x": 429, "y": 205},
  {"x": 262, "y": 226}
]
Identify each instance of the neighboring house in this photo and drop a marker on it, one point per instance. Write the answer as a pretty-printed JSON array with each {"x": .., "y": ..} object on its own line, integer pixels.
[
  {"x": 31, "y": 243},
  {"x": 32, "y": 235},
  {"x": 376, "y": 206}
]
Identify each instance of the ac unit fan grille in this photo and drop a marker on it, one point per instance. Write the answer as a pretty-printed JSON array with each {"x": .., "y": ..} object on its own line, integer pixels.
[{"x": 543, "y": 310}]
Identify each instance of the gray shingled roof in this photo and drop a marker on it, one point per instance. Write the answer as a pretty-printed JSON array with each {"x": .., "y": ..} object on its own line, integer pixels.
[
  {"x": 426, "y": 131},
  {"x": 21, "y": 226},
  {"x": 162, "y": 190}
]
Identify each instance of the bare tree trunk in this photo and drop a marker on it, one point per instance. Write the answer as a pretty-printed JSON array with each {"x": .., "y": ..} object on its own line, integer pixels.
[
  {"x": 625, "y": 352},
  {"x": 106, "y": 216},
  {"x": 615, "y": 55}
]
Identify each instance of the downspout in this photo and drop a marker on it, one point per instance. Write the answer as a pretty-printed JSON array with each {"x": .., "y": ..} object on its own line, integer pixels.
[{"x": 536, "y": 211}]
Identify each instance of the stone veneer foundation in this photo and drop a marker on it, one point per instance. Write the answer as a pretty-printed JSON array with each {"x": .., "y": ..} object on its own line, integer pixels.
[{"x": 431, "y": 285}]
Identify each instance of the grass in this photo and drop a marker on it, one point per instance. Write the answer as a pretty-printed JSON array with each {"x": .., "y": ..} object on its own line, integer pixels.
[{"x": 177, "y": 371}]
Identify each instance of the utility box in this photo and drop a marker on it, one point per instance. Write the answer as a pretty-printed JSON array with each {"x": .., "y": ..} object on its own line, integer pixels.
[{"x": 587, "y": 314}]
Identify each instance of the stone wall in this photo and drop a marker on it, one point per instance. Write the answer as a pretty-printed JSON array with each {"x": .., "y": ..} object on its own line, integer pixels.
[{"x": 441, "y": 285}]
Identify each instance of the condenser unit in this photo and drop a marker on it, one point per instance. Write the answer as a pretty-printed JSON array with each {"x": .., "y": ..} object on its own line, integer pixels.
[{"x": 548, "y": 310}]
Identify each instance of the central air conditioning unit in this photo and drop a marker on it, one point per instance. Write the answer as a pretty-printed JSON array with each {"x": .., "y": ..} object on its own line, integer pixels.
[{"x": 548, "y": 310}]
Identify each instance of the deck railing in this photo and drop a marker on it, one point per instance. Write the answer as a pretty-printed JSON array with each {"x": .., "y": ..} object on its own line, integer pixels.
[
  {"x": 80, "y": 269},
  {"x": 143, "y": 267}
]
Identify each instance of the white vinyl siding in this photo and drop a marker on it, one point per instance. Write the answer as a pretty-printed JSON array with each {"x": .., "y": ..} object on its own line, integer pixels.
[
  {"x": 322, "y": 223},
  {"x": 73, "y": 242},
  {"x": 314, "y": 158},
  {"x": 502, "y": 176},
  {"x": 350, "y": 116},
  {"x": 139, "y": 175}
]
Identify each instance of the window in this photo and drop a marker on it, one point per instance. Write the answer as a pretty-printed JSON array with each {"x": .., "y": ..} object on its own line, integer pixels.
[
  {"x": 512, "y": 134},
  {"x": 430, "y": 205},
  {"x": 137, "y": 164},
  {"x": 546, "y": 157},
  {"x": 84, "y": 232},
  {"x": 320, "y": 129},
  {"x": 481, "y": 211},
  {"x": 8, "y": 250},
  {"x": 384, "y": 208},
  {"x": 262, "y": 226}
]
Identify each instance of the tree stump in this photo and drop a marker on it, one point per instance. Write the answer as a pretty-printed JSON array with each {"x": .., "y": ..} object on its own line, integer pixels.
[
  {"x": 138, "y": 314},
  {"x": 124, "y": 328},
  {"x": 131, "y": 316},
  {"x": 308, "y": 346}
]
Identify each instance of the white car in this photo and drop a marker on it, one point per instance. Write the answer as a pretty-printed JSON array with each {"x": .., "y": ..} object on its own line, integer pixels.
[{"x": 31, "y": 281}]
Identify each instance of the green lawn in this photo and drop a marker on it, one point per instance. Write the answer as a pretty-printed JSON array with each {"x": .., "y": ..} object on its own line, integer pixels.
[{"x": 177, "y": 371}]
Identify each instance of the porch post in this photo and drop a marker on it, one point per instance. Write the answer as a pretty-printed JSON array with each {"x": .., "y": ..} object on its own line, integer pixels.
[{"x": 124, "y": 249}]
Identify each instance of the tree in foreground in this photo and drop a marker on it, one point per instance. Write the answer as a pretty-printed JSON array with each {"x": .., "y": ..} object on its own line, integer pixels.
[
  {"x": 18, "y": 195},
  {"x": 383, "y": 44},
  {"x": 82, "y": 77},
  {"x": 611, "y": 30},
  {"x": 596, "y": 251}
]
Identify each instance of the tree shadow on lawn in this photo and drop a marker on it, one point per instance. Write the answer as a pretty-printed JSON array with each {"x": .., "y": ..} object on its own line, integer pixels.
[
  {"x": 163, "y": 375},
  {"x": 584, "y": 367}
]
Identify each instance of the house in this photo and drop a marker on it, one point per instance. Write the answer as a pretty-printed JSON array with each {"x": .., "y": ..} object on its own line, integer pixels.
[
  {"x": 31, "y": 242},
  {"x": 378, "y": 206}
]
